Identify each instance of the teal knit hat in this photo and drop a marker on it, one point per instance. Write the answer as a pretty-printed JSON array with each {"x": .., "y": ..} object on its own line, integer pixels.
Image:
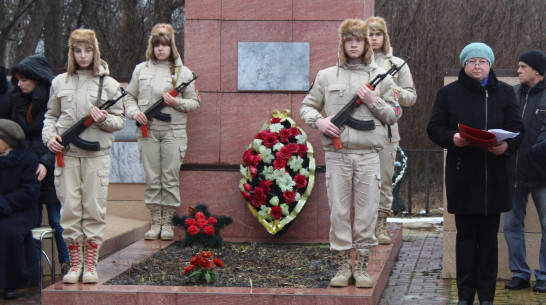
[{"x": 477, "y": 49}]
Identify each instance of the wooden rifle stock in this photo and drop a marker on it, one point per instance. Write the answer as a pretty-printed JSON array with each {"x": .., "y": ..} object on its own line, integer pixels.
[
  {"x": 73, "y": 132},
  {"x": 154, "y": 110},
  {"x": 351, "y": 106}
]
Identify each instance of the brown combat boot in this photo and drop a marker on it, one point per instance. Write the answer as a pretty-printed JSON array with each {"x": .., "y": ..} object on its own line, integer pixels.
[
  {"x": 343, "y": 274},
  {"x": 155, "y": 227},
  {"x": 381, "y": 228},
  {"x": 167, "y": 223},
  {"x": 362, "y": 279}
]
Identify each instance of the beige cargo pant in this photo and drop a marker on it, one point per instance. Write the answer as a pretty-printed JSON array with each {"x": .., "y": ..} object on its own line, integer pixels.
[
  {"x": 162, "y": 153},
  {"x": 352, "y": 180},
  {"x": 387, "y": 156},
  {"x": 82, "y": 188}
]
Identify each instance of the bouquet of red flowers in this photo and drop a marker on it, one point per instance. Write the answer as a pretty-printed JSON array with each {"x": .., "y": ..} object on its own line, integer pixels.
[
  {"x": 278, "y": 172},
  {"x": 201, "y": 267},
  {"x": 201, "y": 227}
]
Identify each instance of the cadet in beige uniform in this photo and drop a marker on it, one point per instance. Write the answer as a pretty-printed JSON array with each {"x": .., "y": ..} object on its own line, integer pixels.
[
  {"x": 352, "y": 172},
  {"x": 405, "y": 90},
  {"x": 162, "y": 152},
  {"x": 82, "y": 184}
]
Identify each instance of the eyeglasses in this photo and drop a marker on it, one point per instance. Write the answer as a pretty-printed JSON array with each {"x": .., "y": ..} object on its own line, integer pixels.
[{"x": 477, "y": 63}]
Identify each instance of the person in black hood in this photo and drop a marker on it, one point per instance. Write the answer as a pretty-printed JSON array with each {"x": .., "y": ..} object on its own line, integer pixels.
[
  {"x": 5, "y": 102},
  {"x": 31, "y": 79}
]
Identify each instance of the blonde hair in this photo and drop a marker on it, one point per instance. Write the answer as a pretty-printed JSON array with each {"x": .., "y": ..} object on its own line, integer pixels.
[
  {"x": 89, "y": 39},
  {"x": 357, "y": 28},
  {"x": 379, "y": 24}
]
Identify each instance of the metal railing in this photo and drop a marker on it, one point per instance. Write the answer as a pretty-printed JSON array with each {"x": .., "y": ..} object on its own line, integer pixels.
[{"x": 423, "y": 177}]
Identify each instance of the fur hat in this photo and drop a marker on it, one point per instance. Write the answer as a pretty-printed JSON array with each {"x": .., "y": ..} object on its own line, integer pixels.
[
  {"x": 11, "y": 132},
  {"x": 162, "y": 30},
  {"x": 477, "y": 49},
  {"x": 357, "y": 28},
  {"x": 89, "y": 39},
  {"x": 535, "y": 59},
  {"x": 378, "y": 23}
]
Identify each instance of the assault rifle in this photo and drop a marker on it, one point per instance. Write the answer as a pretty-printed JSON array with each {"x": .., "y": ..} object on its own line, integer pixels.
[
  {"x": 153, "y": 111},
  {"x": 72, "y": 134},
  {"x": 344, "y": 115}
]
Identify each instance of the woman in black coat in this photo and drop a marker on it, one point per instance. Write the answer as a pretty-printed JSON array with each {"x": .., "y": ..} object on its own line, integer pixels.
[
  {"x": 31, "y": 80},
  {"x": 477, "y": 181},
  {"x": 19, "y": 190}
]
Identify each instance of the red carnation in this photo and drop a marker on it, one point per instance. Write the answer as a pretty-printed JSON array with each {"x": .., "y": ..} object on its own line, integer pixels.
[
  {"x": 275, "y": 120},
  {"x": 266, "y": 185},
  {"x": 195, "y": 260},
  {"x": 189, "y": 222},
  {"x": 246, "y": 196},
  {"x": 209, "y": 230},
  {"x": 279, "y": 163},
  {"x": 212, "y": 221},
  {"x": 292, "y": 148},
  {"x": 193, "y": 230},
  {"x": 283, "y": 154},
  {"x": 253, "y": 171},
  {"x": 206, "y": 254},
  {"x": 259, "y": 197},
  {"x": 189, "y": 269},
  {"x": 301, "y": 181},
  {"x": 248, "y": 156},
  {"x": 289, "y": 196},
  {"x": 257, "y": 159},
  {"x": 201, "y": 223},
  {"x": 200, "y": 215},
  {"x": 295, "y": 131},
  {"x": 218, "y": 262},
  {"x": 270, "y": 140},
  {"x": 276, "y": 212},
  {"x": 285, "y": 135},
  {"x": 302, "y": 149}
]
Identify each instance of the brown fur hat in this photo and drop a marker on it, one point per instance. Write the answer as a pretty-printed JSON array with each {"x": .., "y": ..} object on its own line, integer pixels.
[
  {"x": 378, "y": 23},
  {"x": 162, "y": 30},
  {"x": 89, "y": 39},
  {"x": 357, "y": 28}
]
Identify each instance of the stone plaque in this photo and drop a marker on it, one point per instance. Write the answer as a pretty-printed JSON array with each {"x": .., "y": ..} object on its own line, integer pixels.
[
  {"x": 125, "y": 165},
  {"x": 273, "y": 66}
]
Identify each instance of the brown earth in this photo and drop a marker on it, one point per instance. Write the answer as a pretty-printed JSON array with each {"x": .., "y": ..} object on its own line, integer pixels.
[{"x": 246, "y": 265}]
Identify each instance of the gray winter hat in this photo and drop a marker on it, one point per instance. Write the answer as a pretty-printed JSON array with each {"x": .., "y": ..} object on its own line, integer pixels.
[
  {"x": 11, "y": 132},
  {"x": 477, "y": 49}
]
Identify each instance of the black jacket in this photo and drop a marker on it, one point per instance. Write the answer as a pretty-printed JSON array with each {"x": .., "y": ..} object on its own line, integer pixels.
[
  {"x": 36, "y": 68},
  {"x": 5, "y": 103},
  {"x": 476, "y": 180},
  {"x": 538, "y": 151},
  {"x": 527, "y": 171},
  {"x": 19, "y": 189}
]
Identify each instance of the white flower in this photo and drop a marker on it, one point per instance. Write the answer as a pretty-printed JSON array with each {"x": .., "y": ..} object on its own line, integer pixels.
[
  {"x": 266, "y": 155},
  {"x": 301, "y": 139},
  {"x": 241, "y": 183},
  {"x": 285, "y": 210},
  {"x": 278, "y": 146},
  {"x": 276, "y": 127},
  {"x": 265, "y": 212},
  {"x": 245, "y": 172},
  {"x": 274, "y": 201},
  {"x": 305, "y": 172},
  {"x": 295, "y": 163},
  {"x": 256, "y": 144},
  {"x": 269, "y": 172},
  {"x": 284, "y": 180}
]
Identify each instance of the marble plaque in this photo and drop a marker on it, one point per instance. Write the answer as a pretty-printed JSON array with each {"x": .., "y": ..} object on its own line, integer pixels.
[
  {"x": 125, "y": 166},
  {"x": 273, "y": 66}
]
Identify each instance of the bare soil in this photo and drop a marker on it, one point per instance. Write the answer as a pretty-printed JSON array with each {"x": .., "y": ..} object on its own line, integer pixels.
[{"x": 246, "y": 265}]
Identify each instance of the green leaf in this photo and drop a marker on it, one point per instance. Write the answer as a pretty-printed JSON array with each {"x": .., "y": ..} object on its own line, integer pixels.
[{"x": 207, "y": 277}]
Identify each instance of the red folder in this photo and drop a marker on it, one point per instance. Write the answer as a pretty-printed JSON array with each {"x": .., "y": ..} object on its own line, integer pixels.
[{"x": 477, "y": 137}]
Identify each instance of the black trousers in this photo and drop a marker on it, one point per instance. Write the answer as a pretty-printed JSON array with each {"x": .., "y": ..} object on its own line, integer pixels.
[{"x": 477, "y": 255}]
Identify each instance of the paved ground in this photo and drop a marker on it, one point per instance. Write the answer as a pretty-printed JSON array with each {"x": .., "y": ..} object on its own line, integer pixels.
[{"x": 416, "y": 277}]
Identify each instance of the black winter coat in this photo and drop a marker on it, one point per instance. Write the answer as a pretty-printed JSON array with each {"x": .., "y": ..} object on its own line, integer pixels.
[
  {"x": 527, "y": 171},
  {"x": 476, "y": 181},
  {"x": 5, "y": 103},
  {"x": 538, "y": 151},
  {"x": 19, "y": 189},
  {"x": 36, "y": 68}
]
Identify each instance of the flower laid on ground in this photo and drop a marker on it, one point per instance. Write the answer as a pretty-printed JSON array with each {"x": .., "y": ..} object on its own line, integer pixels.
[
  {"x": 201, "y": 227},
  {"x": 201, "y": 267},
  {"x": 278, "y": 172}
]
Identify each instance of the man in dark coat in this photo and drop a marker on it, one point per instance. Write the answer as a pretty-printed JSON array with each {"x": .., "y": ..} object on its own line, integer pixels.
[
  {"x": 528, "y": 173},
  {"x": 477, "y": 184},
  {"x": 19, "y": 190},
  {"x": 31, "y": 79}
]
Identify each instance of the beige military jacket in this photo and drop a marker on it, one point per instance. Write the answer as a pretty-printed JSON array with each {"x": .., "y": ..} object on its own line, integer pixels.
[
  {"x": 72, "y": 97},
  {"x": 404, "y": 84},
  {"x": 149, "y": 81},
  {"x": 333, "y": 88}
]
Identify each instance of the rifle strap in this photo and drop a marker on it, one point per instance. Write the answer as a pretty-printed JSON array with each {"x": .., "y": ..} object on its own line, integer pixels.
[{"x": 101, "y": 82}]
